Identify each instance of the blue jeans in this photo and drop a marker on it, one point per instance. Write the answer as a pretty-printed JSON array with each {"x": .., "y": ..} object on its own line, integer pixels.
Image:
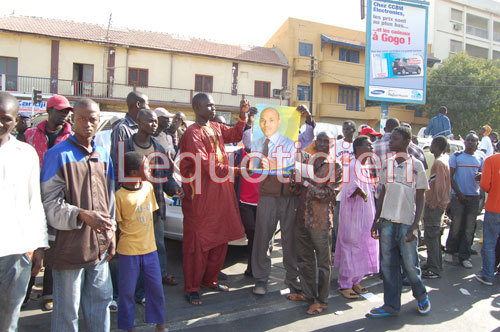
[
  {"x": 159, "y": 227},
  {"x": 491, "y": 229},
  {"x": 463, "y": 224},
  {"x": 393, "y": 249},
  {"x": 91, "y": 287},
  {"x": 15, "y": 271}
]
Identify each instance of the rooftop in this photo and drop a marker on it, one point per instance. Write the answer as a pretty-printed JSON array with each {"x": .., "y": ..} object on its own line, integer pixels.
[{"x": 61, "y": 29}]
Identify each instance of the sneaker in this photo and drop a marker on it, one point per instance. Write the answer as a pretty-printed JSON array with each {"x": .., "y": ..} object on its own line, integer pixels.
[
  {"x": 467, "y": 264},
  {"x": 113, "y": 306},
  {"x": 260, "y": 288},
  {"x": 483, "y": 280},
  {"x": 425, "y": 307}
]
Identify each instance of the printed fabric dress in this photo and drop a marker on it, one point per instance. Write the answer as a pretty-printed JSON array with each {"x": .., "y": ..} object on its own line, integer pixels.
[{"x": 356, "y": 252}]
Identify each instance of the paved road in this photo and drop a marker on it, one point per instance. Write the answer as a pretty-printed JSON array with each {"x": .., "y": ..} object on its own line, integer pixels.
[{"x": 240, "y": 310}]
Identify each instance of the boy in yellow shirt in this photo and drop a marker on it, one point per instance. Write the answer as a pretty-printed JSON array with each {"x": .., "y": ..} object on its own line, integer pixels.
[{"x": 135, "y": 204}]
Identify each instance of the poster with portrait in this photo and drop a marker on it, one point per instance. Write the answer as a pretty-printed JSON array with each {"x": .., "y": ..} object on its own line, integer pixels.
[{"x": 274, "y": 133}]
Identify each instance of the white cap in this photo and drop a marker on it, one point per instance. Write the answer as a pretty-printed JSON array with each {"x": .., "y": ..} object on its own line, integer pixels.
[{"x": 160, "y": 111}]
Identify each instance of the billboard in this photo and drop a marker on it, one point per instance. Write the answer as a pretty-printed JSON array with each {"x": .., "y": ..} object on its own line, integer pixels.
[{"x": 396, "y": 53}]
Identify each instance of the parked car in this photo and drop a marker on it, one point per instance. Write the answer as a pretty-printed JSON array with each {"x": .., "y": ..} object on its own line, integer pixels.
[
  {"x": 401, "y": 65},
  {"x": 174, "y": 222},
  {"x": 332, "y": 129},
  {"x": 455, "y": 145}
]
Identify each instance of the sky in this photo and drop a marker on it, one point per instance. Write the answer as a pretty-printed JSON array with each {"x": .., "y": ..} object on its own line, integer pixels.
[{"x": 227, "y": 21}]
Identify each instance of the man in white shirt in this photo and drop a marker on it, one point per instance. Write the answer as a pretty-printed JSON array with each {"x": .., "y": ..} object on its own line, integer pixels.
[
  {"x": 486, "y": 146},
  {"x": 23, "y": 227},
  {"x": 399, "y": 208}
]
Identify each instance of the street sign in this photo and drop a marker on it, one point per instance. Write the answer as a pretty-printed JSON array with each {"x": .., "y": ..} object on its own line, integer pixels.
[
  {"x": 396, "y": 53},
  {"x": 25, "y": 105}
]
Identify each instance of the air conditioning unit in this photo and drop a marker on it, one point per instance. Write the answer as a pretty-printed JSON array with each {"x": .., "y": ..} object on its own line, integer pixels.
[
  {"x": 276, "y": 93},
  {"x": 457, "y": 26}
]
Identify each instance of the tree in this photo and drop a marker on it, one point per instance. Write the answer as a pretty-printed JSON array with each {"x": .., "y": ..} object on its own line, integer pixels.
[{"x": 470, "y": 89}]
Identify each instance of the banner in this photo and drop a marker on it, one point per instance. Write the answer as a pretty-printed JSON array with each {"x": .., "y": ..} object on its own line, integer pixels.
[{"x": 396, "y": 53}]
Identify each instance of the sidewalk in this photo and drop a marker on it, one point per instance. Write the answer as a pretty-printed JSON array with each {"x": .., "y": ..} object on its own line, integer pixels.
[{"x": 240, "y": 302}]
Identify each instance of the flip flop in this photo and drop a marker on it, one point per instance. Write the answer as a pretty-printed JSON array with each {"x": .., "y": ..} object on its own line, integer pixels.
[
  {"x": 193, "y": 298},
  {"x": 378, "y": 312},
  {"x": 348, "y": 293},
  {"x": 359, "y": 289},
  {"x": 296, "y": 297},
  {"x": 316, "y": 308}
]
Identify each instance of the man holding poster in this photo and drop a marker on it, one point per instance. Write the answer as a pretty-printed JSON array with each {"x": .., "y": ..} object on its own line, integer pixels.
[{"x": 274, "y": 138}]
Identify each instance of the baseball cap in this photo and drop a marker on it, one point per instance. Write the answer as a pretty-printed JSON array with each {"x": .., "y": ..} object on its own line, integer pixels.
[
  {"x": 160, "y": 111},
  {"x": 58, "y": 102},
  {"x": 369, "y": 130}
]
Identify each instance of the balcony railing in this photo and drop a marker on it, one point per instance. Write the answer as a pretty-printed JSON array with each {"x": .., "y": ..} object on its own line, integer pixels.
[
  {"x": 478, "y": 32},
  {"x": 100, "y": 90}
]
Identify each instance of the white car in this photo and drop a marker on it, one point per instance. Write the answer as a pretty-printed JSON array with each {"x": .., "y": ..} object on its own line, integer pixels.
[
  {"x": 174, "y": 222},
  {"x": 423, "y": 142},
  {"x": 174, "y": 217}
]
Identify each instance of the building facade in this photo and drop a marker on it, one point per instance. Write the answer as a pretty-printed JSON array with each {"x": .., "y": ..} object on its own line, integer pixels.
[
  {"x": 471, "y": 26},
  {"x": 105, "y": 64},
  {"x": 335, "y": 58}
]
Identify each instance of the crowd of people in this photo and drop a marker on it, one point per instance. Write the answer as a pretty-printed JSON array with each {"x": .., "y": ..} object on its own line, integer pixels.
[{"x": 71, "y": 204}]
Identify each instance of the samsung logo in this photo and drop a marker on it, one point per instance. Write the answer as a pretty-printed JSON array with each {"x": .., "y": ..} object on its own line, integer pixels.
[{"x": 378, "y": 92}]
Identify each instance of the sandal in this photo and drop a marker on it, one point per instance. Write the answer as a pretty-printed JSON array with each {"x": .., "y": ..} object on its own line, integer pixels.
[
  {"x": 193, "y": 298},
  {"x": 297, "y": 297},
  {"x": 316, "y": 308},
  {"x": 348, "y": 293},
  {"x": 378, "y": 312},
  {"x": 359, "y": 289},
  {"x": 169, "y": 280}
]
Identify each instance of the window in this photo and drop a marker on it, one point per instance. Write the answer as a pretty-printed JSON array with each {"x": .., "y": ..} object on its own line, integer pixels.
[
  {"x": 476, "y": 51},
  {"x": 477, "y": 26},
  {"x": 456, "y": 46},
  {"x": 8, "y": 66},
  {"x": 203, "y": 83},
  {"x": 350, "y": 97},
  {"x": 303, "y": 92},
  {"x": 496, "y": 55},
  {"x": 348, "y": 55},
  {"x": 496, "y": 31},
  {"x": 138, "y": 77},
  {"x": 83, "y": 76},
  {"x": 262, "y": 89},
  {"x": 456, "y": 15},
  {"x": 305, "y": 49}
]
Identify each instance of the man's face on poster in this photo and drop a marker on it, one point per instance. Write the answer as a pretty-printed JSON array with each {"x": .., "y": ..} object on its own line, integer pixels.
[{"x": 269, "y": 122}]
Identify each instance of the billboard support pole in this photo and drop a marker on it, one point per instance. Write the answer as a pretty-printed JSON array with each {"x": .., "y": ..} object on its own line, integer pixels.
[{"x": 384, "y": 114}]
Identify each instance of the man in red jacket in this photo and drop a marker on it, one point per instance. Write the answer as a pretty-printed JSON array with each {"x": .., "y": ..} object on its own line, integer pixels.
[
  {"x": 53, "y": 130},
  {"x": 44, "y": 136}
]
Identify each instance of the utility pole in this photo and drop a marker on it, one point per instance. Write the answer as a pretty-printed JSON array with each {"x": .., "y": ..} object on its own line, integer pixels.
[{"x": 311, "y": 84}]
